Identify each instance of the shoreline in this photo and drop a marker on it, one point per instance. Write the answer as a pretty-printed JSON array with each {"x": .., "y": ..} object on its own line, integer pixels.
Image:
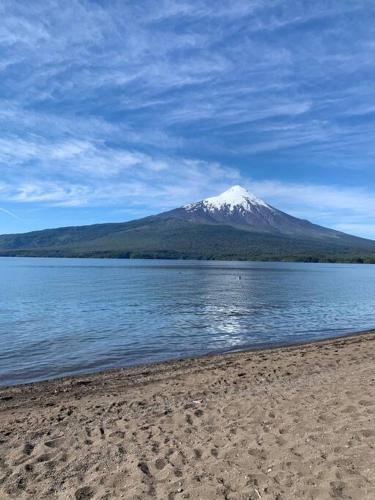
[
  {"x": 364, "y": 260},
  {"x": 156, "y": 364},
  {"x": 278, "y": 423}
]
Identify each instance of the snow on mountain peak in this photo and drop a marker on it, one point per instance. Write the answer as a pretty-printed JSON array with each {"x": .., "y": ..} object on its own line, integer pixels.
[{"x": 233, "y": 198}]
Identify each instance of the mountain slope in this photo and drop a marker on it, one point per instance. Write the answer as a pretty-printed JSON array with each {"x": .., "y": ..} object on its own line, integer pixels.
[
  {"x": 233, "y": 225},
  {"x": 239, "y": 208}
]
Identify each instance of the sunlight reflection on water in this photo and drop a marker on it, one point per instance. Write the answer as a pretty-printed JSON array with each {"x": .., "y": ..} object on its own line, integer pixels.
[{"x": 66, "y": 316}]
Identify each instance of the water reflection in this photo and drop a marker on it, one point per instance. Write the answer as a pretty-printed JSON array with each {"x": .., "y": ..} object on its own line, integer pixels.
[{"x": 68, "y": 316}]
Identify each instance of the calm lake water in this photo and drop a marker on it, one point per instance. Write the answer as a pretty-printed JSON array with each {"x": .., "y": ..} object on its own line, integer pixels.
[{"x": 67, "y": 316}]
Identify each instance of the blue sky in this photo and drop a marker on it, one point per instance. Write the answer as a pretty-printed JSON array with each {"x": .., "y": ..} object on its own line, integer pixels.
[{"x": 112, "y": 110}]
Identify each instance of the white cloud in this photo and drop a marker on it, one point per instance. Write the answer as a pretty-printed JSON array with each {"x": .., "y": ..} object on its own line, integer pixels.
[
  {"x": 317, "y": 196},
  {"x": 342, "y": 208},
  {"x": 84, "y": 174},
  {"x": 80, "y": 173}
]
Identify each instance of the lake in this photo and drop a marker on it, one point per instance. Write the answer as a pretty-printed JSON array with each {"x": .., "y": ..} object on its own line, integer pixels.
[{"x": 67, "y": 316}]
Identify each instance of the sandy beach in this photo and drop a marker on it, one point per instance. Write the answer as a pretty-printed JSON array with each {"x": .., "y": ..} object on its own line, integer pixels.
[{"x": 287, "y": 423}]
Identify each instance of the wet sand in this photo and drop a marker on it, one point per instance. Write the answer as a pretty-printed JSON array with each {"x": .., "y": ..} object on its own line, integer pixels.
[{"x": 286, "y": 423}]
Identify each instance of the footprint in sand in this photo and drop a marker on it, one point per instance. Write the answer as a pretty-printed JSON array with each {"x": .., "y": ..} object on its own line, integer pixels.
[
  {"x": 189, "y": 419},
  {"x": 28, "y": 448},
  {"x": 155, "y": 447},
  {"x": 117, "y": 434},
  {"x": 44, "y": 457},
  {"x": 349, "y": 409},
  {"x": 365, "y": 402},
  {"x": 54, "y": 443},
  {"x": 84, "y": 493},
  {"x": 280, "y": 441},
  {"x": 367, "y": 433},
  {"x": 160, "y": 463},
  {"x": 178, "y": 472}
]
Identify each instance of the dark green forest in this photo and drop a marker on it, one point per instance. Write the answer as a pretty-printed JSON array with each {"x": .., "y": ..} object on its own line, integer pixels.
[{"x": 160, "y": 238}]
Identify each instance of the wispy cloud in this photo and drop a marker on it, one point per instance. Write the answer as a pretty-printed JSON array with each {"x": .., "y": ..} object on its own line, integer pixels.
[
  {"x": 319, "y": 197},
  {"x": 345, "y": 209},
  {"x": 85, "y": 174},
  {"x": 8, "y": 212}
]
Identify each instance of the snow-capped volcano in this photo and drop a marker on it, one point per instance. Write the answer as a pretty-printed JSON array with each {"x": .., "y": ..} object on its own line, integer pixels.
[
  {"x": 239, "y": 208},
  {"x": 234, "y": 198},
  {"x": 232, "y": 225}
]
